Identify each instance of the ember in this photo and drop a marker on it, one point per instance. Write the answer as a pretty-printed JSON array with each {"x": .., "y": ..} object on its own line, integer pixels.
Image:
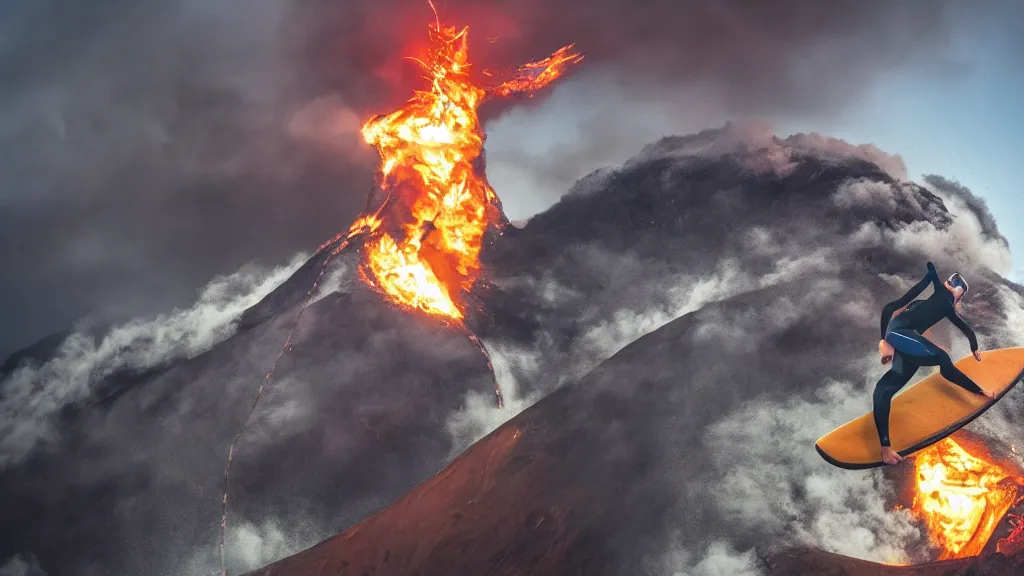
[{"x": 961, "y": 497}]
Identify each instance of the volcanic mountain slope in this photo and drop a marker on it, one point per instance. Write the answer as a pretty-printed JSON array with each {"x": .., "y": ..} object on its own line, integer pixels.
[
  {"x": 699, "y": 219},
  {"x": 764, "y": 262},
  {"x": 646, "y": 454},
  {"x": 130, "y": 483},
  {"x": 693, "y": 444}
]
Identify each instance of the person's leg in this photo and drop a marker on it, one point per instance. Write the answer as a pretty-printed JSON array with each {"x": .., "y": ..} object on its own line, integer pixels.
[
  {"x": 926, "y": 353},
  {"x": 887, "y": 387}
]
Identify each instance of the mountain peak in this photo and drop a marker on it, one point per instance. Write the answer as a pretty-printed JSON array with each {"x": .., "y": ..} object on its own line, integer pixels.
[{"x": 758, "y": 149}]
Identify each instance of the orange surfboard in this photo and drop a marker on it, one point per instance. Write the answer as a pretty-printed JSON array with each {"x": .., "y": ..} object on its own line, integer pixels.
[{"x": 924, "y": 413}]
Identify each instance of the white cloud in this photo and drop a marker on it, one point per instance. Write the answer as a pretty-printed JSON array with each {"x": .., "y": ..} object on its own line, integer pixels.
[{"x": 32, "y": 394}]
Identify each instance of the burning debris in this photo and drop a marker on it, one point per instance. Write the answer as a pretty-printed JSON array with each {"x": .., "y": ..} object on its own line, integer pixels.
[
  {"x": 421, "y": 247},
  {"x": 961, "y": 493}
]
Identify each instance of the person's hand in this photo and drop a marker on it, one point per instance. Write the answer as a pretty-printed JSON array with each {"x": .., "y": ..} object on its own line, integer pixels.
[
  {"x": 990, "y": 394},
  {"x": 977, "y": 355},
  {"x": 885, "y": 351}
]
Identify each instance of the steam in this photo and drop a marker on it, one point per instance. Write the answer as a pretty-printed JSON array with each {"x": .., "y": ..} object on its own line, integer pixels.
[
  {"x": 719, "y": 559},
  {"x": 973, "y": 237},
  {"x": 1002, "y": 421},
  {"x": 763, "y": 453},
  {"x": 255, "y": 546},
  {"x": 339, "y": 279},
  {"x": 479, "y": 416},
  {"x": 964, "y": 199},
  {"x": 33, "y": 394},
  {"x": 20, "y": 566},
  {"x": 251, "y": 546},
  {"x": 651, "y": 305},
  {"x": 963, "y": 238}
]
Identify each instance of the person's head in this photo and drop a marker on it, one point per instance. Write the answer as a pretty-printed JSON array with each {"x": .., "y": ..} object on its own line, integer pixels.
[{"x": 958, "y": 286}]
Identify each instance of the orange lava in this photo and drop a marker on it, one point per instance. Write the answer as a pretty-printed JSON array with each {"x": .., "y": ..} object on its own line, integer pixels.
[
  {"x": 439, "y": 207},
  {"x": 960, "y": 496}
]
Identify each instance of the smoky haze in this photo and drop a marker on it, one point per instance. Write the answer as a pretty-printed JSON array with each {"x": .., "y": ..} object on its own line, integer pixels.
[{"x": 148, "y": 146}]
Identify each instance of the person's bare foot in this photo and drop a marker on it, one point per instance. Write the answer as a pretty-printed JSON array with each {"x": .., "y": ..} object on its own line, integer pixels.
[{"x": 889, "y": 456}]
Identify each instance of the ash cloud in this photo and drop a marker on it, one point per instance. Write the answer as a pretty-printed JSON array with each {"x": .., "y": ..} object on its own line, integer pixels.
[
  {"x": 969, "y": 200},
  {"x": 33, "y": 394},
  {"x": 149, "y": 146}
]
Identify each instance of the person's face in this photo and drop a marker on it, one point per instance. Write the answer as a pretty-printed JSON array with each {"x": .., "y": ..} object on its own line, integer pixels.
[{"x": 957, "y": 291}]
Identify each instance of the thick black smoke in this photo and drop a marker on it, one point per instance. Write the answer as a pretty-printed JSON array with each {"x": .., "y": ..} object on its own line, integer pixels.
[{"x": 147, "y": 146}]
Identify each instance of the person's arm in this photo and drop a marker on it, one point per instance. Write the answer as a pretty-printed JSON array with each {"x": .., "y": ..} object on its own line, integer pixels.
[
  {"x": 964, "y": 327},
  {"x": 937, "y": 284},
  {"x": 914, "y": 292}
]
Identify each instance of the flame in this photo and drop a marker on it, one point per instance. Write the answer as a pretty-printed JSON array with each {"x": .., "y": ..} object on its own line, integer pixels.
[
  {"x": 439, "y": 207},
  {"x": 961, "y": 497}
]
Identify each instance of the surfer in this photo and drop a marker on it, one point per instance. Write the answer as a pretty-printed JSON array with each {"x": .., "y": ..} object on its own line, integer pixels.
[{"x": 903, "y": 345}]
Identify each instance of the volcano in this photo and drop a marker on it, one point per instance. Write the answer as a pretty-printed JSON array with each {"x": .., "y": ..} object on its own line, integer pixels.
[{"x": 671, "y": 337}]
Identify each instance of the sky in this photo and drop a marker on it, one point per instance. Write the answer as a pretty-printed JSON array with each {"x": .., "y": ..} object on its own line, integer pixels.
[
  {"x": 148, "y": 146},
  {"x": 968, "y": 128},
  {"x": 956, "y": 113}
]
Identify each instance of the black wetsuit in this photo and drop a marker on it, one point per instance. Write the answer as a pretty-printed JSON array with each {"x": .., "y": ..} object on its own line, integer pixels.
[{"x": 912, "y": 350}]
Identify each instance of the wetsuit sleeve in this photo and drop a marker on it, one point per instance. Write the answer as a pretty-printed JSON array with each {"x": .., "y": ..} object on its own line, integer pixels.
[
  {"x": 914, "y": 292},
  {"x": 936, "y": 283},
  {"x": 964, "y": 327}
]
